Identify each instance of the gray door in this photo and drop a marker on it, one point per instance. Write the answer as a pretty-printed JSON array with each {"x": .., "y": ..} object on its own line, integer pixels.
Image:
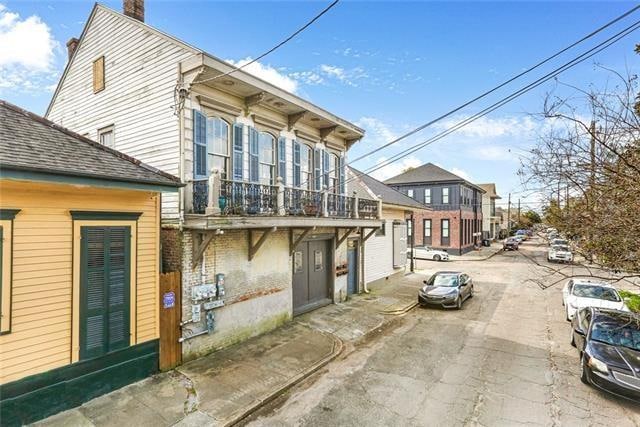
[
  {"x": 352, "y": 266},
  {"x": 312, "y": 268}
]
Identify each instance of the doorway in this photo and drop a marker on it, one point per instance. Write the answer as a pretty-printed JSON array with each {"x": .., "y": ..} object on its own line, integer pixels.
[{"x": 312, "y": 270}]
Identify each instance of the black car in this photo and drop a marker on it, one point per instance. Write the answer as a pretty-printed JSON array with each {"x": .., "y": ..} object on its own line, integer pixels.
[
  {"x": 447, "y": 289},
  {"x": 510, "y": 244},
  {"x": 609, "y": 344}
]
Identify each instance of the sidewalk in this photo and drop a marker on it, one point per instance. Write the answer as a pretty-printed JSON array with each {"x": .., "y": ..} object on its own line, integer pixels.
[{"x": 224, "y": 387}]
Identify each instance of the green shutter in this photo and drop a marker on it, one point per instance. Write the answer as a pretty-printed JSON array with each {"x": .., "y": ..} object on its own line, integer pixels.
[{"x": 104, "y": 290}]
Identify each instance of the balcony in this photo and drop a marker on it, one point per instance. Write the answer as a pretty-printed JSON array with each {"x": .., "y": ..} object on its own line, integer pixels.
[{"x": 219, "y": 201}]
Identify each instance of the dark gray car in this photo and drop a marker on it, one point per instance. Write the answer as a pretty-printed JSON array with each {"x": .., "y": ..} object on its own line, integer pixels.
[{"x": 448, "y": 289}]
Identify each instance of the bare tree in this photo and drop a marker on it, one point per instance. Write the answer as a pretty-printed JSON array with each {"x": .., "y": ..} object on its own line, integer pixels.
[{"x": 587, "y": 165}]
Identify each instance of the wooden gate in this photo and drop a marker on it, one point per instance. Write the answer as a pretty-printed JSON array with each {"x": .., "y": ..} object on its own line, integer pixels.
[{"x": 170, "y": 314}]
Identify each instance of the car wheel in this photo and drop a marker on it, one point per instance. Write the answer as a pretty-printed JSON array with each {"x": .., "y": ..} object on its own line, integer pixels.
[
  {"x": 436, "y": 257},
  {"x": 583, "y": 370},
  {"x": 459, "y": 303}
]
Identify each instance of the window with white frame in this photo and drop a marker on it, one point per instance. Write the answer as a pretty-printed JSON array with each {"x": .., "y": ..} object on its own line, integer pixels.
[
  {"x": 266, "y": 143},
  {"x": 410, "y": 192},
  {"x": 106, "y": 136},
  {"x": 306, "y": 167},
  {"x": 427, "y": 196},
  {"x": 334, "y": 173},
  {"x": 427, "y": 228},
  {"x": 218, "y": 145},
  {"x": 445, "y": 196},
  {"x": 445, "y": 228}
]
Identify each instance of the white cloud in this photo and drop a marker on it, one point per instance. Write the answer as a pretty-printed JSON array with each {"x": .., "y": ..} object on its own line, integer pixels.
[
  {"x": 486, "y": 127},
  {"x": 462, "y": 174},
  {"x": 268, "y": 73},
  {"x": 376, "y": 131},
  {"x": 307, "y": 77},
  {"x": 395, "y": 168},
  {"x": 27, "y": 52},
  {"x": 346, "y": 76}
]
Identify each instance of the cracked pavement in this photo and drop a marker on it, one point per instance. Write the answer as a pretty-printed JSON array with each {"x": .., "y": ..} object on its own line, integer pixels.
[{"x": 504, "y": 360}]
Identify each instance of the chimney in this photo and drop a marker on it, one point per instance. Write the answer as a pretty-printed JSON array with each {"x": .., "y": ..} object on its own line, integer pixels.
[
  {"x": 134, "y": 9},
  {"x": 72, "y": 44}
]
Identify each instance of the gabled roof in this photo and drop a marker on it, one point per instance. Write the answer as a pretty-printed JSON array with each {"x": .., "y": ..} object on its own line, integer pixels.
[
  {"x": 490, "y": 190},
  {"x": 30, "y": 144},
  {"x": 428, "y": 173},
  {"x": 367, "y": 187},
  {"x": 202, "y": 55}
]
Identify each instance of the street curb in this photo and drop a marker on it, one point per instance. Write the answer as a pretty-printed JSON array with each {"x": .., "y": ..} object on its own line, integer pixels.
[
  {"x": 400, "y": 311},
  {"x": 485, "y": 258},
  {"x": 338, "y": 347}
]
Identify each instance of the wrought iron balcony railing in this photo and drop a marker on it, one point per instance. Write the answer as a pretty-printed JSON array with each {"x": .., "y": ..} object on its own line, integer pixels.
[{"x": 218, "y": 197}]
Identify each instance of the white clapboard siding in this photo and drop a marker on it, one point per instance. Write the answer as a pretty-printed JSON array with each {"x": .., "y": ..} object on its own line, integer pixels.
[
  {"x": 378, "y": 251},
  {"x": 140, "y": 74}
]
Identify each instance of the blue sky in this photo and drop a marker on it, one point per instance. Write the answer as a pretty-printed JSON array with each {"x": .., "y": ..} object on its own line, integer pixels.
[{"x": 386, "y": 66}]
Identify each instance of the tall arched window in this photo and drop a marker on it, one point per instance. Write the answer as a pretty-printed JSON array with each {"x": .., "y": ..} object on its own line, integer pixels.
[
  {"x": 334, "y": 173},
  {"x": 266, "y": 143},
  {"x": 218, "y": 145}
]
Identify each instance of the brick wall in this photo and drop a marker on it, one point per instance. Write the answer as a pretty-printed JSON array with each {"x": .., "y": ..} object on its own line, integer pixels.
[
  {"x": 460, "y": 239},
  {"x": 171, "y": 242}
]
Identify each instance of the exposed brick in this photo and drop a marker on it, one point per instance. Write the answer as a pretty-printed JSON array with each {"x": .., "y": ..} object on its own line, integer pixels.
[
  {"x": 460, "y": 240},
  {"x": 171, "y": 241}
]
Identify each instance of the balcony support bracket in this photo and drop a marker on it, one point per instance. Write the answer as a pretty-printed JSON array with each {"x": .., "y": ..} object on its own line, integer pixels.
[
  {"x": 253, "y": 248},
  {"x": 294, "y": 118},
  {"x": 293, "y": 243},
  {"x": 200, "y": 242},
  {"x": 340, "y": 240},
  {"x": 369, "y": 234}
]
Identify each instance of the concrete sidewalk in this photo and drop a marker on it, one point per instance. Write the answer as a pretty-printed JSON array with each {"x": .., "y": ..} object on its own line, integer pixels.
[{"x": 224, "y": 387}]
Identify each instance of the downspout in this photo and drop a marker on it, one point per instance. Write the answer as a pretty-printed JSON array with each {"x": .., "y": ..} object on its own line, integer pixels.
[
  {"x": 460, "y": 228},
  {"x": 181, "y": 194},
  {"x": 413, "y": 233}
]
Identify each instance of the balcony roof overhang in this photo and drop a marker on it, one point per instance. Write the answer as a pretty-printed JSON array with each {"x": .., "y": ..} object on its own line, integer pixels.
[
  {"x": 205, "y": 222},
  {"x": 206, "y": 69}
]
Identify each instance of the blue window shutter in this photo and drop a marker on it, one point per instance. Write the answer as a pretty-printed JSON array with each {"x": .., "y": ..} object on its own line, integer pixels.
[
  {"x": 253, "y": 156},
  {"x": 199, "y": 145},
  {"x": 317, "y": 161},
  {"x": 282, "y": 159},
  {"x": 296, "y": 164},
  {"x": 238, "y": 158},
  {"x": 343, "y": 190}
]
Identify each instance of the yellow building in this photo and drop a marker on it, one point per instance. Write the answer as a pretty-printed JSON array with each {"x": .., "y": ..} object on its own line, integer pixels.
[{"x": 79, "y": 267}]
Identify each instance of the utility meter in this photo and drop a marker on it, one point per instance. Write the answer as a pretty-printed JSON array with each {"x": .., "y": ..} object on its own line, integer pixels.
[{"x": 220, "y": 285}]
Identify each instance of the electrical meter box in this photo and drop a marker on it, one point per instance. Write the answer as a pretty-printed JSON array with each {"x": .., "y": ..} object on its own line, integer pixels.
[{"x": 201, "y": 292}]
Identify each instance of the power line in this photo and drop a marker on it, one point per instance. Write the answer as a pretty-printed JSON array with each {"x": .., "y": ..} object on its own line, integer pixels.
[
  {"x": 501, "y": 85},
  {"x": 579, "y": 59},
  {"x": 282, "y": 43}
]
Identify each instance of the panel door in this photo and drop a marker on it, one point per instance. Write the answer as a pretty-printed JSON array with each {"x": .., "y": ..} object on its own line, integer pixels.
[
  {"x": 320, "y": 267},
  {"x": 300, "y": 276}
]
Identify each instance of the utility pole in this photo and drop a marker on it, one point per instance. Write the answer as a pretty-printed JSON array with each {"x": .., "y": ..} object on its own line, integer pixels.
[
  {"x": 509, "y": 216},
  {"x": 518, "y": 211}
]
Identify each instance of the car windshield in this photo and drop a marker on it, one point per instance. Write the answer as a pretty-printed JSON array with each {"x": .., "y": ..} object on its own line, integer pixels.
[
  {"x": 595, "y": 291},
  {"x": 560, "y": 242},
  {"x": 444, "y": 280},
  {"x": 561, "y": 248},
  {"x": 623, "y": 332}
]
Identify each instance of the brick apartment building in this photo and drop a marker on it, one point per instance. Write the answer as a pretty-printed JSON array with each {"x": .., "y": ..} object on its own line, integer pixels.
[{"x": 455, "y": 222}]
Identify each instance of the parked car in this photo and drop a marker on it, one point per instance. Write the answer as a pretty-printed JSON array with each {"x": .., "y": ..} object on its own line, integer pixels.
[
  {"x": 580, "y": 293},
  {"x": 559, "y": 253},
  {"x": 510, "y": 244},
  {"x": 609, "y": 344},
  {"x": 519, "y": 238},
  {"x": 429, "y": 253},
  {"x": 448, "y": 289},
  {"x": 558, "y": 242},
  {"x": 523, "y": 233}
]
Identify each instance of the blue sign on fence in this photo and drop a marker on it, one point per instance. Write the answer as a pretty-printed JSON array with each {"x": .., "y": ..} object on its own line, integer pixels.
[{"x": 169, "y": 300}]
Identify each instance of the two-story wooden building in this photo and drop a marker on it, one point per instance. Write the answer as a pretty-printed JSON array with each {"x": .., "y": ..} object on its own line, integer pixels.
[
  {"x": 259, "y": 232},
  {"x": 454, "y": 223}
]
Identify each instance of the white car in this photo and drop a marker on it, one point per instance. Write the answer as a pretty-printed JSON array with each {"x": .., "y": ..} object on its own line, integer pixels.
[
  {"x": 559, "y": 242},
  {"x": 559, "y": 253},
  {"x": 580, "y": 293},
  {"x": 429, "y": 253}
]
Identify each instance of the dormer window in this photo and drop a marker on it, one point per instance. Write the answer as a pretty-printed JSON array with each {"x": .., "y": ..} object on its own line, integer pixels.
[{"x": 106, "y": 136}]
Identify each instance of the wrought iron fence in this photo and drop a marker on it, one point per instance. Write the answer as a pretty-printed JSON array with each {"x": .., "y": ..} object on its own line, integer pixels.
[
  {"x": 243, "y": 198},
  {"x": 367, "y": 208},
  {"x": 339, "y": 205},
  {"x": 302, "y": 202},
  {"x": 200, "y": 188}
]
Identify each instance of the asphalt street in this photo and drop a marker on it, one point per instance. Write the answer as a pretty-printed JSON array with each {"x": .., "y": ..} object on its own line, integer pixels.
[{"x": 503, "y": 360}]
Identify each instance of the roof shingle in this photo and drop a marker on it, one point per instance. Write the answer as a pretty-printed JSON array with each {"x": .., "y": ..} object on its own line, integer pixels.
[
  {"x": 32, "y": 143},
  {"x": 428, "y": 173},
  {"x": 364, "y": 185}
]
